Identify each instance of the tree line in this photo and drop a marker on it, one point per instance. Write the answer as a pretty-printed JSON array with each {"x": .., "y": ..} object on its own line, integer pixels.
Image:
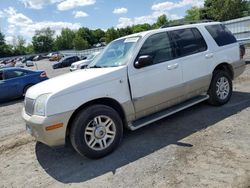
[{"x": 44, "y": 40}]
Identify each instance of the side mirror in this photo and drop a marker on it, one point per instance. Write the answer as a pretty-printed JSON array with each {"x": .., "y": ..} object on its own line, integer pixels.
[{"x": 144, "y": 61}]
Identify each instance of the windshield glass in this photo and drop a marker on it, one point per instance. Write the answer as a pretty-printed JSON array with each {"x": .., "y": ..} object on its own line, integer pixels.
[{"x": 115, "y": 54}]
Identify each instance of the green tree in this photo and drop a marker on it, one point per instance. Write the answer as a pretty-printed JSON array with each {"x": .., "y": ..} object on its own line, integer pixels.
[
  {"x": 193, "y": 14},
  {"x": 141, "y": 27},
  {"x": 20, "y": 46},
  {"x": 222, "y": 10},
  {"x": 65, "y": 40},
  {"x": 43, "y": 40},
  {"x": 2, "y": 40},
  {"x": 80, "y": 43},
  {"x": 111, "y": 34},
  {"x": 161, "y": 21},
  {"x": 87, "y": 35},
  {"x": 98, "y": 34},
  {"x": 5, "y": 50},
  {"x": 124, "y": 31},
  {"x": 29, "y": 49}
]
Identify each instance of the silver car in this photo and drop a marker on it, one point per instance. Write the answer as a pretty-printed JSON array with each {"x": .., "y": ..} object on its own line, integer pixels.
[{"x": 84, "y": 63}]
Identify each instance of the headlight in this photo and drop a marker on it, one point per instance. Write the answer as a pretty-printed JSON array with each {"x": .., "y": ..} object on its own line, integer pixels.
[
  {"x": 40, "y": 105},
  {"x": 78, "y": 66}
]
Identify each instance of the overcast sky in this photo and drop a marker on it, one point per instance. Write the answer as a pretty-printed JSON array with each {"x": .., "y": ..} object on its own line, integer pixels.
[{"x": 23, "y": 17}]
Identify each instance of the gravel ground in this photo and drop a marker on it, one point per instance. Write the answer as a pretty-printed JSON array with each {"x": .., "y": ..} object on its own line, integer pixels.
[{"x": 203, "y": 146}]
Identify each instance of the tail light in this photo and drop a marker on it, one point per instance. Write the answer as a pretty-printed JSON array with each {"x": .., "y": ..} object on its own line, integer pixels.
[
  {"x": 43, "y": 75},
  {"x": 242, "y": 51}
]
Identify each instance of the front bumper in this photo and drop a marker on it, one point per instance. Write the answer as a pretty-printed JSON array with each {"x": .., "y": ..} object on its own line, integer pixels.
[
  {"x": 36, "y": 126},
  {"x": 73, "y": 69}
]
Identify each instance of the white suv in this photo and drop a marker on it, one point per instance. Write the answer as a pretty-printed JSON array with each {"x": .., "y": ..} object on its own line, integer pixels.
[{"x": 136, "y": 80}]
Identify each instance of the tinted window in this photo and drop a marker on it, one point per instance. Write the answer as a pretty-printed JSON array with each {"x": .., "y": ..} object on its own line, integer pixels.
[
  {"x": 158, "y": 47},
  {"x": 188, "y": 41},
  {"x": 221, "y": 34},
  {"x": 13, "y": 74}
]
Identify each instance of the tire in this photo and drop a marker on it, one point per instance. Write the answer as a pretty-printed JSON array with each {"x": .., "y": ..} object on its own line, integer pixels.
[
  {"x": 220, "y": 90},
  {"x": 88, "y": 136},
  {"x": 26, "y": 89}
]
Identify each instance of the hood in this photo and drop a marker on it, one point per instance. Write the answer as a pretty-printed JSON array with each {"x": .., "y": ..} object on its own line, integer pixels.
[{"x": 75, "y": 81}]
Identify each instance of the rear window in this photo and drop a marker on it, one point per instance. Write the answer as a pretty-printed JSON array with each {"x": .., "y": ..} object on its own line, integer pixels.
[
  {"x": 188, "y": 41},
  {"x": 221, "y": 34}
]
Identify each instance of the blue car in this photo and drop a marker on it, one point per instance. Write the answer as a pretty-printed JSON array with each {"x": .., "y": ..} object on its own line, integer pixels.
[{"x": 14, "y": 82}]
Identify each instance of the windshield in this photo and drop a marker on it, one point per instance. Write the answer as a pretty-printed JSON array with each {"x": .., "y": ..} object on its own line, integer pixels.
[{"x": 115, "y": 54}]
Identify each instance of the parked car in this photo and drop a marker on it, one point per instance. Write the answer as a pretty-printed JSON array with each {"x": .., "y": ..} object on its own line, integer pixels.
[
  {"x": 51, "y": 54},
  {"x": 38, "y": 57},
  {"x": 19, "y": 64},
  {"x": 28, "y": 58},
  {"x": 138, "y": 79},
  {"x": 56, "y": 57},
  {"x": 14, "y": 82},
  {"x": 65, "y": 62},
  {"x": 83, "y": 63},
  {"x": 29, "y": 63}
]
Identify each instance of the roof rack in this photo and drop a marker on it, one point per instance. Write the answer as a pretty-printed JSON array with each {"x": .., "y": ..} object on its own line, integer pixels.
[{"x": 185, "y": 22}]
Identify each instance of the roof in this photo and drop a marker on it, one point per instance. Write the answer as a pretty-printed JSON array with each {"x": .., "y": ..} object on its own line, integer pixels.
[
  {"x": 14, "y": 68},
  {"x": 144, "y": 33}
]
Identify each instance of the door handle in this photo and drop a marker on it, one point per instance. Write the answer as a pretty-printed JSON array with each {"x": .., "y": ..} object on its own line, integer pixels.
[
  {"x": 208, "y": 56},
  {"x": 173, "y": 66}
]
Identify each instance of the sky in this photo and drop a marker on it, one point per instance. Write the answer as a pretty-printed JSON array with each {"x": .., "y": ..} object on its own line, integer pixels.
[{"x": 23, "y": 17}]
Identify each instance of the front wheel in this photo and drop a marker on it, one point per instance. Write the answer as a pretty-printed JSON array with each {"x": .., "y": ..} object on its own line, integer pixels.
[
  {"x": 96, "y": 131},
  {"x": 220, "y": 90}
]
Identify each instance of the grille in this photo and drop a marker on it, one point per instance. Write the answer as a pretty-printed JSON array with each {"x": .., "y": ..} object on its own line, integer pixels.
[{"x": 29, "y": 106}]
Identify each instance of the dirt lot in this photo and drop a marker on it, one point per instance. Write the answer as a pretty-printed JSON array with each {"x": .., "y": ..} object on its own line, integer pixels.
[{"x": 203, "y": 146}]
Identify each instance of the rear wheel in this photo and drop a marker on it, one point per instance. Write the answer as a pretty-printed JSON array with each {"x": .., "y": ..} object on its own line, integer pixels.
[
  {"x": 96, "y": 131},
  {"x": 220, "y": 90}
]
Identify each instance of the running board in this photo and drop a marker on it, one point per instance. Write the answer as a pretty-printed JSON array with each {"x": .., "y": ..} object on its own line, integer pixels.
[{"x": 167, "y": 112}]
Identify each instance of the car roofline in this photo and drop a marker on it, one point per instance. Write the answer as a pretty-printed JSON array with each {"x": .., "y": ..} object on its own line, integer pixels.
[{"x": 144, "y": 33}]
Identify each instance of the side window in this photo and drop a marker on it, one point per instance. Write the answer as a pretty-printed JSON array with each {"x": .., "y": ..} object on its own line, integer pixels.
[
  {"x": 158, "y": 46},
  {"x": 221, "y": 34},
  {"x": 188, "y": 41},
  {"x": 13, "y": 74}
]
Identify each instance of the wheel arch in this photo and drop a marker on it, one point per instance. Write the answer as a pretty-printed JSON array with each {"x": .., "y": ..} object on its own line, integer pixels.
[
  {"x": 225, "y": 67},
  {"x": 27, "y": 86},
  {"x": 104, "y": 101}
]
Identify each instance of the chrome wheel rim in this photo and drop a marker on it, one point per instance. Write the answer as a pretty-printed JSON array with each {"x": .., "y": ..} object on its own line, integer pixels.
[
  {"x": 222, "y": 88},
  {"x": 100, "y": 132}
]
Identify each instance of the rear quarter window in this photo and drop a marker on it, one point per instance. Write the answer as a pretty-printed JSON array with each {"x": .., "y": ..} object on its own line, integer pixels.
[{"x": 221, "y": 34}]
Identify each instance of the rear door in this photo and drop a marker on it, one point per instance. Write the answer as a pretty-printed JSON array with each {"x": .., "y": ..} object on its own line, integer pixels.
[
  {"x": 159, "y": 85},
  {"x": 226, "y": 46},
  {"x": 14, "y": 79},
  {"x": 195, "y": 57}
]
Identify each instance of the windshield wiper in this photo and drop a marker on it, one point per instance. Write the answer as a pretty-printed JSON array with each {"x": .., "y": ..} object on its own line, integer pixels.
[{"x": 96, "y": 66}]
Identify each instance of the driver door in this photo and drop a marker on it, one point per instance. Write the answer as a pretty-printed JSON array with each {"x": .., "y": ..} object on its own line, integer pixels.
[{"x": 160, "y": 84}]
